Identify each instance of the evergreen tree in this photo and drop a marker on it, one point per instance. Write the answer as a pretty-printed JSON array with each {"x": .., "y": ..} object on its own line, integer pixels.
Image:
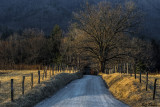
[
  {"x": 156, "y": 54},
  {"x": 55, "y": 43}
]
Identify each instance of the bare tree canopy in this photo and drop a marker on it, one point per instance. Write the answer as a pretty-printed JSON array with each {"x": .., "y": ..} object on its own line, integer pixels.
[{"x": 100, "y": 31}]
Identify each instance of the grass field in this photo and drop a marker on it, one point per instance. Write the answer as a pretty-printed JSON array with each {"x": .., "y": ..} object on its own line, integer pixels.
[
  {"x": 6, "y": 76},
  {"x": 131, "y": 91}
]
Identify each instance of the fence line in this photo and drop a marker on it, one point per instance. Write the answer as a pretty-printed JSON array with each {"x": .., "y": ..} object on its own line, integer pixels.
[
  {"x": 51, "y": 71},
  {"x": 126, "y": 67}
]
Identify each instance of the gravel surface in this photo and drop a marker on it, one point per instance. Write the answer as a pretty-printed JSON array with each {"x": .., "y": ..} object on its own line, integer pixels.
[{"x": 90, "y": 91}]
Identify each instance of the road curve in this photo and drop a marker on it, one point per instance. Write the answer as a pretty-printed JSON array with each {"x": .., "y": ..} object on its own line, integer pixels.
[{"x": 90, "y": 91}]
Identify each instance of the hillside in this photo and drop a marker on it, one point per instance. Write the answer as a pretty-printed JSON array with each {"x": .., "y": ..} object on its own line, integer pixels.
[{"x": 44, "y": 14}]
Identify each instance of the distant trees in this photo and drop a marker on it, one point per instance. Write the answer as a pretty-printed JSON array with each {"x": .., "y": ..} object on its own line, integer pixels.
[
  {"x": 101, "y": 36},
  {"x": 55, "y": 44},
  {"x": 140, "y": 54},
  {"x": 5, "y": 32},
  {"x": 156, "y": 54},
  {"x": 100, "y": 30},
  {"x": 21, "y": 49},
  {"x": 31, "y": 47}
]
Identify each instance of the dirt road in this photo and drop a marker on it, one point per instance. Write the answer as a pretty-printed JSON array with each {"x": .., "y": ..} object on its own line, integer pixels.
[{"x": 90, "y": 91}]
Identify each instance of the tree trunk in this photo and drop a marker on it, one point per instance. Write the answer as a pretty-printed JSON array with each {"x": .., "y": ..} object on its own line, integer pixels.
[{"x": 101, "y": 66}]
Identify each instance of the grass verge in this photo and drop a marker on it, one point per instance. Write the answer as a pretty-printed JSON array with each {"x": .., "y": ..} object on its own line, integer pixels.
[
  {"x": 130, "y": 90},
  {"x": 44, "y": 90}
]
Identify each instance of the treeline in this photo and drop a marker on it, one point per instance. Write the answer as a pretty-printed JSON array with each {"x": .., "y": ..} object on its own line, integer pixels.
[
  {"x": 106, "y": 35},
  {"x": 100, "y": 36},
  {"x": 30, "y": 47},
  {"x": 142, "y": 53}
]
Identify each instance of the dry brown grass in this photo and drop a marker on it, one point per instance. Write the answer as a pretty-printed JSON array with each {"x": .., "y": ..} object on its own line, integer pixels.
[
  {"x": 131, "y": 91},
  {"x": 6, "y": 76}
]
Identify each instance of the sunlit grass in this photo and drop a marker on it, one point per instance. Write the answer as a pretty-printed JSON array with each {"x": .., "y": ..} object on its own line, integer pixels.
[
  {"x": 6, "y": 76},
  {"x": 131, "y": 91}
]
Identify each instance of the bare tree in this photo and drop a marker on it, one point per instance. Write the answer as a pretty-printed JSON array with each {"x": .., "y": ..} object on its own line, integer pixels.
[
  {"x": 140, "y": 54},
  {"x": 100, "y": 30}
]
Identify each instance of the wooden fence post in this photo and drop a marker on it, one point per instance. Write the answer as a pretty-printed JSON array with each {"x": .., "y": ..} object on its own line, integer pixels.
[
  {"x": 64, "y": 69},
  {"x": 43, "y": 76},
  {"x": 39, "y": 77},
  {"x": 121, "y": 68},
  {"x": 23, "y": 80},
  {"x": 124, "y": 68},
  {"x": 113, "y": 69},
  {"x": 50, "y": 74},
  {"x": 131, "y": 69},
  {"x": 46, "y": 73},
  {"x": 117, "y": 68},
  {"x": 140, "y": 77},
  {"x": 72, "y": 70},
  {"x": 31, "y": 80},
  {"x": 50, "y": 71},
  {"x": 127, "y": 68},
  {"x": 67, "y": 68},
  {"x": 146, "y": 81},
  {"x": 154, "y": 91},
  {"x": 58, "y": 68},
  {"x": 53, "y": 71},
  {"x": 135, "y": 71},
  {"x": 12, "y": 90}
]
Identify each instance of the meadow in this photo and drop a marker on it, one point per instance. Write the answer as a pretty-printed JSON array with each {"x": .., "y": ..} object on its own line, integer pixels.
[
  {"x": 17, "y": 76},
  {"x": 129, "y": 90}
]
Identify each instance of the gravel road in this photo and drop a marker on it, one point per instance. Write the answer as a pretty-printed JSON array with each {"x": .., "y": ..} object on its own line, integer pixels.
[{"x": 90, "y": 91}]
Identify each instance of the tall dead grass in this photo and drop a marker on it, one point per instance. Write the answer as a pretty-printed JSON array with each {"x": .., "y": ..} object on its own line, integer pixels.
[
  {"x": 17, "y": 75},
  {"x": 131, "y": 91},
  {"x": 43, "y": 90}
]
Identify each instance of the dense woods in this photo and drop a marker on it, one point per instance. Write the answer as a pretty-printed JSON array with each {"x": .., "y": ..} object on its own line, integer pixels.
[
  {"x": 31, "y": 47},
  {"x": 108, "y": 34},
  {"x": 100, "y": 36}
]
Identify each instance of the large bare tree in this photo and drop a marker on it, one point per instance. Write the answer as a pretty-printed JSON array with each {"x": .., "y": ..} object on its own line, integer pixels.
[{"x": 99, "y": 31}]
